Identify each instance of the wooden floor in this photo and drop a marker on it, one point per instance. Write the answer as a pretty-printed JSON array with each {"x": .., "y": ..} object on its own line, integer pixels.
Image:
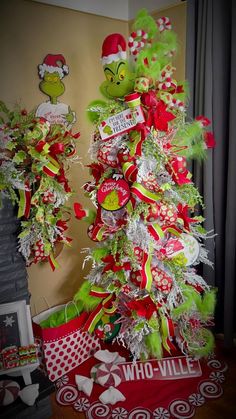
[{"x": 222, "y": 408}]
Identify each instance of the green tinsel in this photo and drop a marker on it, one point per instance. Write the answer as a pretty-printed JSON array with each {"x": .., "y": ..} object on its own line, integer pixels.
[
  {"x": 145, "y": 66},
  {"x": 89, "y": 302},
  {"x": 206, "y": 339},
  {"x": 207, "y": 304},
  {"x": 154, "y": 344},
  {"x": 145, "y": 22},
  {"x": 99, "y": 253},
  {"x": 190, "y": 135}
]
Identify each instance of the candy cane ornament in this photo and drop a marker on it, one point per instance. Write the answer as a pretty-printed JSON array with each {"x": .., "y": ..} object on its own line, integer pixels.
[
  {"x": 137, "y": 41},
  {"x": 163, "y": 24}
]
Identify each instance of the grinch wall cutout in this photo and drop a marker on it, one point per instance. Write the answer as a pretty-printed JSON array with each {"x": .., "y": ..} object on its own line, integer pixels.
[{"x": 52, "y": 71}]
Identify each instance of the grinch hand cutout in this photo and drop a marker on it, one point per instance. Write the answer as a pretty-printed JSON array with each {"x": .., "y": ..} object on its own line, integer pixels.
[{"x": 51, "y": 72}]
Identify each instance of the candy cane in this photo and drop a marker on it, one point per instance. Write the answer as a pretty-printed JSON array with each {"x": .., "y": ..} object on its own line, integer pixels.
[
  {"x": 163, "y": 24},
  {"x": 137, "y": 41},
  {"x": 178, "y": 104}
]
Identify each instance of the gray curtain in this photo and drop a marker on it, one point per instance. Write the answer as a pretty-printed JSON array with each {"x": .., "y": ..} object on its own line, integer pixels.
[{"x": 211, "y": 72}]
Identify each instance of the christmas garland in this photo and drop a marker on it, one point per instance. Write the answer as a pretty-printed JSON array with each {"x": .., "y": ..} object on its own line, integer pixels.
[{"x": 34, "y": 157}]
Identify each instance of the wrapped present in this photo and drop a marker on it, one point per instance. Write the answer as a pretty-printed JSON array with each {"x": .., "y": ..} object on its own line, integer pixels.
[
  {"x": 26, "y": 350},
  {"x": 9, "y": 350},
  {"x": 11, "y": 363}
]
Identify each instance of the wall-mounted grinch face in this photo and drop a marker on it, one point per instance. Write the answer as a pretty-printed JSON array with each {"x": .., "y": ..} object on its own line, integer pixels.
[
  {"x": 119, "y": 80},
  {"x": 52, "y": 85}
]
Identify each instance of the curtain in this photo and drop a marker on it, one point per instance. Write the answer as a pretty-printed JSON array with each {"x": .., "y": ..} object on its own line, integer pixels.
[{"x": 211, "y": 72}]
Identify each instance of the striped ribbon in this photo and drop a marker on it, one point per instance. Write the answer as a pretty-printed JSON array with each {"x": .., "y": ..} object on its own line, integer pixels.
[
  {"x": 99, "y": 294},
  {"x": 52, "y": 167},
  {"x": 24, "y": 204},
  {"x": 167, "y": 331},
  {"x": 53, "y": 263},
  {"x": 155, "y": 231},
  {"x": 172, "y": 229},
  {"x": 105, "y": 307},
  {"x": 144, "y": 194},
  {"x": 98, "y": 233},
  {"x": 146, "y": 281},
  {"x": 130, "y": 171}
]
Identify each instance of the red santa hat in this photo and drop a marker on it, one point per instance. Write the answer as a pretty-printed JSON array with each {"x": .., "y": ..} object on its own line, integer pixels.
[
  {"x": 52, "y": 63},
  {"x": 113, "y": 48}
]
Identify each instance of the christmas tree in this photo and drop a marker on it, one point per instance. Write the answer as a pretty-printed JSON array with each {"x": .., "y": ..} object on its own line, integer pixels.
[{"x": 144, "y": 289}]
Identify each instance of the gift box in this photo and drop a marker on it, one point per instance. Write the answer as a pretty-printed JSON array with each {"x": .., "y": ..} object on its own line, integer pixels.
[{"x": 64, "y": 347}]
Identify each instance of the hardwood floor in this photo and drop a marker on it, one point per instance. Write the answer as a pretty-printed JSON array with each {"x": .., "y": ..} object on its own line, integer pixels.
[{"x": 222, "y": 408}]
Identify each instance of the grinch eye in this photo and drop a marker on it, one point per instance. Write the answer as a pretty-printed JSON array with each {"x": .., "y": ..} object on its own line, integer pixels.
[
  {"x": 122, "y": 75},
  {"x": 109, "y": 77}
]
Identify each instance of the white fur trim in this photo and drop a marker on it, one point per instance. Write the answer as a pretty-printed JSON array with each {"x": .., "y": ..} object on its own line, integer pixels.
[
  {"x": 51, "y": 69},
  {"x": 121, "y": 55},
  {"x": 65, "y": 69}
]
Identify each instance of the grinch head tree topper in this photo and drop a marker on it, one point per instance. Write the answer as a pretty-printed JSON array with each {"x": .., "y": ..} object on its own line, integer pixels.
[
  {"x": 52, "y": 71},
  {"x": 119, "y": 79}
]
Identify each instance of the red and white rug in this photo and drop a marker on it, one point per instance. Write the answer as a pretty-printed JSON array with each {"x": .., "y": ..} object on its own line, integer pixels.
[{"x": 166, "y": 389}]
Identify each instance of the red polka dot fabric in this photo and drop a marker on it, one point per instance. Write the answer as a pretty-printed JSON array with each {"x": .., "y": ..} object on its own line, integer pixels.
[{"x": 63, "y": 348}]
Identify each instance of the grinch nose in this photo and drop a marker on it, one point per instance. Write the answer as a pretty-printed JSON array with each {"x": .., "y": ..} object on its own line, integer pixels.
[{"x": 118, "y": 82}]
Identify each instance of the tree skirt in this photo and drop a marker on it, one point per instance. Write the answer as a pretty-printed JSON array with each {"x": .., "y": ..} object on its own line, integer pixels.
[{"x": 169, "y": 388}]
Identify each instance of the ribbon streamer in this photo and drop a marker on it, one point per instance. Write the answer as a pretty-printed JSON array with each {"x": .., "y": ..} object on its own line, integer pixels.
[
  {"x": 25, "y": 202},
  {"x": 138, "y": 190},
  {"x": 105, "y": 307}
]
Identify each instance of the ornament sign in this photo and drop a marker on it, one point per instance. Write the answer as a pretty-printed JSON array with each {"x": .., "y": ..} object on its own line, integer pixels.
[
  {"x": 186, "y": 245},
  {"x": 121, "y": 122},
  {"x": 113, "y": 194},
  {"x": 175, "y": 368}
]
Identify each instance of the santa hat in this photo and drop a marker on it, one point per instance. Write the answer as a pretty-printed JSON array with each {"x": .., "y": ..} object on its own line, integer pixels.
[
  {"x": 52, "y": 63},
  {"x": 113, "y": 48}
]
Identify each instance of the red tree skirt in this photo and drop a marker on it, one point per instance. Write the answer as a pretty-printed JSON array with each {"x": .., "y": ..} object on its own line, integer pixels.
[{"x": 146, "y": 398}]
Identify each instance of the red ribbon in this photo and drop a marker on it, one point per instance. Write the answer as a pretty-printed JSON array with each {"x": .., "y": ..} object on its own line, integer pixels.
[
  {"x": 57, "y": 148},
  {"x": 111, "y": 264},
  {"x": 62, "y": 179},
  {"x": 157, "y": 115},
  {"x": 183, "y": 214},
  {"x": 144, "y": 307}
]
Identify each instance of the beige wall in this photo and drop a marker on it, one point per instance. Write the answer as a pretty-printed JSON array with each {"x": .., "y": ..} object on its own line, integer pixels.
[{"x": 29, "y": 31}]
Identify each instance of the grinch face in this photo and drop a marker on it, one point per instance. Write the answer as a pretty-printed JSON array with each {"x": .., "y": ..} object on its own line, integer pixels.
[
  {"x": 119, "y": 80},
  {"x": 52, "y": 85}
]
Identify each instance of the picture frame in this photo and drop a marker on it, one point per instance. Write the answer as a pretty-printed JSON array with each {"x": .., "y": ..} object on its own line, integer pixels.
[
  {"x": 16, "y": 330},
  {"x": 15, "y": 324}
]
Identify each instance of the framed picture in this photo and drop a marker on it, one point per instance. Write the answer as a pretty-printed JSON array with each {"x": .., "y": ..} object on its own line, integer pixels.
[{"x": 15, "y": 325}]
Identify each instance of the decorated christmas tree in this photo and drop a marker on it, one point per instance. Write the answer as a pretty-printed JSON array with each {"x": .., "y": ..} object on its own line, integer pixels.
[
  {"x": 36, "y": 150},
  {"x": 144, "y": 289}
]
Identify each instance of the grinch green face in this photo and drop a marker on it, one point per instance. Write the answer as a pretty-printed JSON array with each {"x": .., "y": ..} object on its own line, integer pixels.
[
  {"x": 52, "y": 85},
  {"x": 119, "y": 80}
]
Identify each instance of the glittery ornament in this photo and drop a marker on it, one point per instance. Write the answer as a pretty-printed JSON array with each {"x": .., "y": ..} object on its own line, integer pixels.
[
  {"x": 167, "y": 213},
  {"x": 162, "y": 281},
  {"x": 107, "y": 155}
]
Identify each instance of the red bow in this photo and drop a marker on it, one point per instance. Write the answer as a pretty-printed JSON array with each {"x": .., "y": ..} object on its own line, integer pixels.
[
  {"x": 157, "y": 115},
  {"x": 96, "y": 170},
  {"x": 183, "y": 214},
  {"x": 112, "y": 264},
  {"x": 144, "y": 307},
  {"x": 62, "y": 179}
]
